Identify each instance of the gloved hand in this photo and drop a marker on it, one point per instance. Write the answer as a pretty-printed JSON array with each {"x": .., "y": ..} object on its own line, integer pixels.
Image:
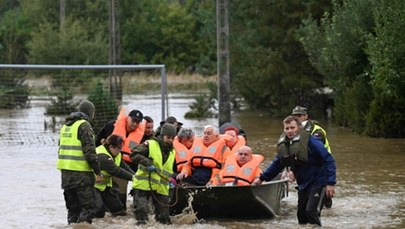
[
  {"x": 173, "y": 181},
  {"x": 151, "y": 168}
]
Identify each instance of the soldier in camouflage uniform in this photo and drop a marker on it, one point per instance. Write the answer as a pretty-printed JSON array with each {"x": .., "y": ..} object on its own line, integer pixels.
[
  {"x": 311, "y": 126},
  {"x": 157, "y": 162},
  {"x": 111, "y": 163},
  {"x": 78, "y": 163}
]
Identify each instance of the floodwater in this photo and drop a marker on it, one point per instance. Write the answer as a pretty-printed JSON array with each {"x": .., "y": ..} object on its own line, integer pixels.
[{"x": 370, "y": 192}]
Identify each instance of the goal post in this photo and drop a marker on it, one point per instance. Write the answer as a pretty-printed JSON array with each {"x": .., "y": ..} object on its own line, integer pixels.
[{"x": 163, "y": 77}]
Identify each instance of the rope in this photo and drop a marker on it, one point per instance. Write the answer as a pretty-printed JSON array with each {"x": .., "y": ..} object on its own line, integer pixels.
[{"x": 157, "y": 200}]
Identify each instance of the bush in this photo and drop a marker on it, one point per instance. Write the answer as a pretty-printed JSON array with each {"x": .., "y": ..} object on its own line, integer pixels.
[
  {"x": 13, "y": 92},
  {"x": 106, "y": 106}
]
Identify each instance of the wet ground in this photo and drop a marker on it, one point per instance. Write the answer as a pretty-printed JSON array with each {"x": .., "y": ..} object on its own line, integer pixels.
[{"x": 371, "y": 174}]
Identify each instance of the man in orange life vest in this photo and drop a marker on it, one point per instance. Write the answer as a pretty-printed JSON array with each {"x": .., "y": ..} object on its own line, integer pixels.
[
  {"x": 185, "y": 143},
  {"x": 240, "y": 168},
  {"x": 207, "y": 158}
]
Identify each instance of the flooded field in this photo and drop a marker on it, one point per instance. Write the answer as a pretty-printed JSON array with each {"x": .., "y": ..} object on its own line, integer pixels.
[{"x": 371, "y": 174}]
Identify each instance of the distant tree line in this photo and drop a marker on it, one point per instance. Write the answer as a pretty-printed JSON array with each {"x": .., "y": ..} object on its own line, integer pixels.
[{"x": 282, "y": 53}]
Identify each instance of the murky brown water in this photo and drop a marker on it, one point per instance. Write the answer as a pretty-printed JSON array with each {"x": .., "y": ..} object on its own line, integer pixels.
[{"x": 370, "y": 189}]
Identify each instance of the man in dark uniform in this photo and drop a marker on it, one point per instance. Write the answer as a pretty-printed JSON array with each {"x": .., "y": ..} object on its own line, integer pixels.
[
  {"x": 78, "y": 162},
  {"x": 313, "y": 128},
  {"x": 313, "y": 166}
]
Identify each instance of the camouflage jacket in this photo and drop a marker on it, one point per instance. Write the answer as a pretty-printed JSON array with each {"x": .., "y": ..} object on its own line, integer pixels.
[{"x": 74, "y": 179}]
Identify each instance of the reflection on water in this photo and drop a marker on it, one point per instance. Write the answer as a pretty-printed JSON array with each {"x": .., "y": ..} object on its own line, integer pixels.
[{"x": 370, "y": 189}]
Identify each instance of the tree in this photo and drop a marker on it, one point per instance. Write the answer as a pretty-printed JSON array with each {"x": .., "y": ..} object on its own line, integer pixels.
[
  {"x": 105, "y": 104},
  {"x": 164, "y": 34},
  {"x": 337, "y": 52},
  {"x": 359, "y": 49},
  {"x": 14, "y": 33},
  {"x": 386, "y": 50},
  {"x": 269, "y": 66},
  {"x": 72, "y": 45}
]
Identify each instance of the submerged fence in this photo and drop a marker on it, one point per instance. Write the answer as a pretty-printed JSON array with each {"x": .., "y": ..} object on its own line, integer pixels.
[{"x": 35, "y": 99}]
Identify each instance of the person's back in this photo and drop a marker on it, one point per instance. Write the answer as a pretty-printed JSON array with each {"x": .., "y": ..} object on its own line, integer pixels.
[
  {"x": 106, "y": 131},
  {"x": 78, "y": 163}
]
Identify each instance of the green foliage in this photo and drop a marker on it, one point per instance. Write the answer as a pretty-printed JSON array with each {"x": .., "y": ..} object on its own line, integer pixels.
[
  {"x": 201, "y": 108},
  {"x": 13, "y": 92},
  {"x": 268, "y": 63},
  {"x": 165, "y": 33},
  {"x": 179, "y": 34},
  {"x": 337, "y": 51},
  {"x": 282, "y": 52},
  {"x": 204, "y": 12},
  {"x": 72, "y": 45},
  {"x": 106, "y": 106},
  {"x": 360, "y": 50},
  {"x": 204, "y": 105},
  {"x": 62, "y": 103},
  {"x": 14, "y": 33},
  {"x": 349, "y": 110},
  {"x": 386, "y": 49}
]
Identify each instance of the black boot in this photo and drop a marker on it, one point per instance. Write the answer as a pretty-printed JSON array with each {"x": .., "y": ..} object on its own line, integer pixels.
[{"x": 123, "y": 199}]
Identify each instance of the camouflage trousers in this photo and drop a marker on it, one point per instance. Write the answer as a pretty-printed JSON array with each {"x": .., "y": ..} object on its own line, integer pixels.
[
  {"x": 141, "y": 206},
  {"x": 79, "y": 203}
]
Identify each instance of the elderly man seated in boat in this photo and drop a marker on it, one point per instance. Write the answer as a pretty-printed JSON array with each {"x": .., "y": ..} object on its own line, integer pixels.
[
  {"x": 207, "y": 160},
  {"x": 240, "y": 169}
]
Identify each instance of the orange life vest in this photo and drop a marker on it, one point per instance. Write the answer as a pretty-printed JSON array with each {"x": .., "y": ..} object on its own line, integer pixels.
[
  {"x": 132, "y": 140},
  {"x": 233, "y": 174},
  {"x": 183, "y": 154},
  {"x": 211, "y": 156}
]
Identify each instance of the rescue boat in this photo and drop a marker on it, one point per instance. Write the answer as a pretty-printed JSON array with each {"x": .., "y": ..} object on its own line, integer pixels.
[{"x": 230, "y": 201}]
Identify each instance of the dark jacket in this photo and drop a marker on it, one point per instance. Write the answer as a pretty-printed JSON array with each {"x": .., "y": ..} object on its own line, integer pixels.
[
  {"x": 74, "y": 179},
  {"x": 123, "y": 171},
  {"x": 318, "y": 172},
  {"x": 106, "y": 131}
]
